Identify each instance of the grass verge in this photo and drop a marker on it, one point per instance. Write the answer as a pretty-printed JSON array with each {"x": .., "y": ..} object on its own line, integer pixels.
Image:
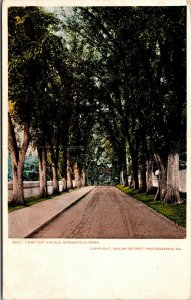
[
  {"x": 35, "y": 199},
  {"x": 175, "y": 212}
]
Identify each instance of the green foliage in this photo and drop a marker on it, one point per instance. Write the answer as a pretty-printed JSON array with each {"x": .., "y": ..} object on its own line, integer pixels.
[
  {"x": 175, "y": 212},
  {"x": 119, "y": 69},
  {"x": 28, "y": 28},
  {"x": 125, "y": 189},
  {"x": 31, "y": 172},
  {"x": 101, "y": 161},
  {"x": 141, "y": 84},
  {"x": 10, "y": 177}
]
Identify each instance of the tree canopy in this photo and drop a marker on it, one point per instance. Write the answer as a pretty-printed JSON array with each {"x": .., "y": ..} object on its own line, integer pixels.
[{"x": 109, "y": 75}]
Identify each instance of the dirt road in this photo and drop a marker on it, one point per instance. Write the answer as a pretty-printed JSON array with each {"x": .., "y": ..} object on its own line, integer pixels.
[{"x": 107, "y": 212}]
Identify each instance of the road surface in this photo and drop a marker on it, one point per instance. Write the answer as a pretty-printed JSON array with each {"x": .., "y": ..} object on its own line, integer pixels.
[{"x": 107, "y": 212}]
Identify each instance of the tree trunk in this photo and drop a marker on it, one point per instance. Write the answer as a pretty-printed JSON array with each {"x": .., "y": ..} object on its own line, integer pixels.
[
  {"x": 68, "y": 172},
  {"x": 55, "y": 179},
  {"x": 121, "y": 177},
  {"x": 15, "y": 183},
  {"x": 149, "y": 177},
  {"x": 135, "y": 169},
  {"x": 143, "y": 179},
  {"x": 135, "y": 173},
  {"x": 124, "y": 168},
  {"x": 172, "y": 192},
  {"x": 161, "y": 191},
  {"x": 20, "y": 180},
  {"x": 64, "y": 171},
  {"x": 54, "y": 172},
  {"x": 65, "y": 189},
  {"x": 17, "y": 158},
  {"x": 125, "y": 179},
  {"x": 96, "y": 178},
  {"x": 131, "y": 182},
  {"x": 92, "y": 180},
  {"x": 133, "y": 148},
  {"x": 42, "y": 154},
  {"x": 77, "y": 175},
  {"x": 84, "y": 177},
  {"x": 18, "y": 192}
]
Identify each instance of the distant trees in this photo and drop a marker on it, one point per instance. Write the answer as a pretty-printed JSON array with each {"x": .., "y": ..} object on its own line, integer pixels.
[{"x": 30, "y": 172}]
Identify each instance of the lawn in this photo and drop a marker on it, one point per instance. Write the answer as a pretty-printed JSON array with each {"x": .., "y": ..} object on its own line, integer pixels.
[{"x": 175, "y": 212}]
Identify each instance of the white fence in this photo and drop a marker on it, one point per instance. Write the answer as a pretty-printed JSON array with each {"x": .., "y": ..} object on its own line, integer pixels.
[
  {"x": 182, "y": 180},
  {"x": 32, "y": 188}
]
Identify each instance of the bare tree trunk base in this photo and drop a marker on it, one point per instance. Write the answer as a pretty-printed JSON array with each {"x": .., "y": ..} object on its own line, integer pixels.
[
  {"x": 18, "y": 203},
  {"x": 150, "y": 191},
  {"x": 142, "y": 190},
  {"x": 172, "y": 198},
  {"x": 157, "y": 196},
  {"x": 56, "y": 192}
]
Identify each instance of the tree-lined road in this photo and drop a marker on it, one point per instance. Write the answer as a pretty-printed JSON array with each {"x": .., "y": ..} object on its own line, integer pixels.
[
  {"x": 96, "y": 93},
  {"x": 107, "y": 212}
]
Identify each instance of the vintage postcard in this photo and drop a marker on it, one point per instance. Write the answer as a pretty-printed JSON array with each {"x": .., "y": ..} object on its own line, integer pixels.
[{"x": 96, "y": 150}]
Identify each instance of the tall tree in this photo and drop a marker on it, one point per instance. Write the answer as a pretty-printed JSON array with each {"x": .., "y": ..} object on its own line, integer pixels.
[
  {"x": 28, "y": 29},
  {"x": 147, "y": 89}
]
